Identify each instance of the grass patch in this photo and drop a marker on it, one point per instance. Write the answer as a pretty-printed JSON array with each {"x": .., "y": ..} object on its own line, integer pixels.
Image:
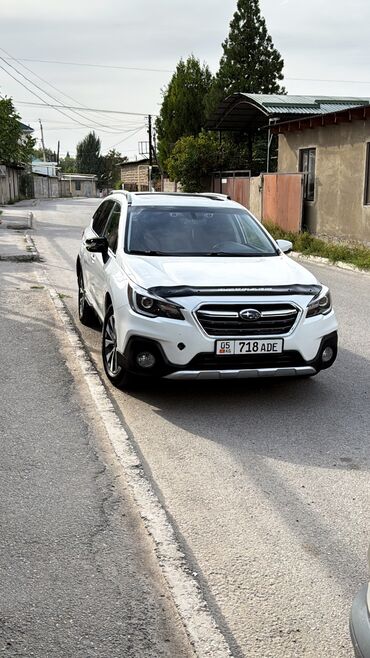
[
  {"x": 62, "y": 295},
  {"x": 309, "y": 245}
]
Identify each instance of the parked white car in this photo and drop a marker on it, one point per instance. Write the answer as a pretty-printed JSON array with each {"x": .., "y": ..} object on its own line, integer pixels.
[{"x": 191, "y": 286}]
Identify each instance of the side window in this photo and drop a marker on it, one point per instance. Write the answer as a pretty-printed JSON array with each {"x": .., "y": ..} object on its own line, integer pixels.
[
  {"x": 111, "y": 229},
  {"x": 101, "y": 215},
  {"x": 307, "y": 165}
]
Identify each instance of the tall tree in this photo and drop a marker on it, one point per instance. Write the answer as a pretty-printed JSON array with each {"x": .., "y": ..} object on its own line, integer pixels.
[
  {"x": 250, "y": 63},
  {"x": 111, "y": 173},
  {"x": 68, "y": 164},
  {"x": 88, "y": 158},
  {"x": 15, "y": 145},
  {"x": 183, "y": 109}
]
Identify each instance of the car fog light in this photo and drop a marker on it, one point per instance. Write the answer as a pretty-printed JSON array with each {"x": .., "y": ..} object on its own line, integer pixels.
[
  {"x": 327, "y": 354},
  {"x": 145, "y": 360}
]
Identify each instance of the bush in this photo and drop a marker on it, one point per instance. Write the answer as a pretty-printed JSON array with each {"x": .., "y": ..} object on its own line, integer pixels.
[{"x": 309, "y": 245}]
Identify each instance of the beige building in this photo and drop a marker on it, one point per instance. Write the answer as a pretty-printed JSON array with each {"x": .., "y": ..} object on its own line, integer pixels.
[
  {"x": 76, "y": 185},
  {"x": 333, "y": 152},
  {"x": 135, "y": 175}
]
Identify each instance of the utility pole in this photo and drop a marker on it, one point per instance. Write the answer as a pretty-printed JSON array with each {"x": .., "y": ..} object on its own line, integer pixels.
[
  {"x": 42, "y": 140},
  {"x": 58, "y": 151},
  {"x": 150, "y": 133}
]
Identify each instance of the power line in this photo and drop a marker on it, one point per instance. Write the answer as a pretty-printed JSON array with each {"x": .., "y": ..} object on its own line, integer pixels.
[
  {"x": 357, "y": 82},
  {"x": 86, "y": 109},
  {"x": 44, "y": 92},
  {"x": 155, "y": 70},
  {"x": 102, "y": 125},
  {"x": 125, "y": 138},
  {"x": 96, "y": 66}
]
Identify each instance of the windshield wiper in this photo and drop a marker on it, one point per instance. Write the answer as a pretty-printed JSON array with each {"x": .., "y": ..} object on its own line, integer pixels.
[{"x": 148, "y": 252}]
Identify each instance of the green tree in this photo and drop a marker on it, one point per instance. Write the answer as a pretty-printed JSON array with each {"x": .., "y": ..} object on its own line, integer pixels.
[
  {"x": 38, "y": 154},
  {"x": 111, "y": 173},
  {"x": 68, "y": 164},
  {"x": 15, "y": 146},
  {"x": 183, "y": 110},
  {"x": 193, "y": 159},
  {"x": 88, "y": 158},
  {"x": 250, "y": 63}
]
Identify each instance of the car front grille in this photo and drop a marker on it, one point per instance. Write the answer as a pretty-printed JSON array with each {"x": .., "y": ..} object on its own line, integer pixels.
[{"x": 225, "y": 320}]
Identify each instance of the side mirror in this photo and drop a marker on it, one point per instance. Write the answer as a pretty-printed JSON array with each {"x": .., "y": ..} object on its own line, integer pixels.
[
  {"x": 97, "y": 245},
  {"x": 285, "y": 245}
]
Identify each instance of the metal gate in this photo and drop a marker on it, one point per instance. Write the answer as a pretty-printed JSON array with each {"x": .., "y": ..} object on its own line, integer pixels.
[
  {"x": 282, "y": 200},
  {"x": 236, "y": 184}
]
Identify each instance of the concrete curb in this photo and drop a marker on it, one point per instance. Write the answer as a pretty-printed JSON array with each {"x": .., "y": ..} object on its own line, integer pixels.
[
  {"x": 202, "y": 630},
  {"x": 17, "y": 221},
  {"x": 31, "y": 247},
  {"x": 29, "y": 255},
  {"x": 325, "y": 261}
]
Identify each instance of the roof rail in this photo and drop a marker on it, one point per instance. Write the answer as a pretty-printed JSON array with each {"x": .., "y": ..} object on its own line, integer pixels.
[
  {"x": 124, "y": 192},
  {"x": 215, "y": 196}
]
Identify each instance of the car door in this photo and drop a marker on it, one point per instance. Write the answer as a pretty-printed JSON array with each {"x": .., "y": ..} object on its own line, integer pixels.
[
  {"x": 104, "y": 266},
  {"x": 91, "y": 260}
]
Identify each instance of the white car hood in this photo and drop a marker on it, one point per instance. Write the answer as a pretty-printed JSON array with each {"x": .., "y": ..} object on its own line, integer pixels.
[{"x": 155, "y": 271}]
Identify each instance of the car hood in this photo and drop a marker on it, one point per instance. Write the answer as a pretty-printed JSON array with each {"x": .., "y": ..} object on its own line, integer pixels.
[{"x": 203, "y": 271}]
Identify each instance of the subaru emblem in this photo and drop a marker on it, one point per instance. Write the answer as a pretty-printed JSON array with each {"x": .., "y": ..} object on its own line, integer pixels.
[{"x": 250, "y": 314}]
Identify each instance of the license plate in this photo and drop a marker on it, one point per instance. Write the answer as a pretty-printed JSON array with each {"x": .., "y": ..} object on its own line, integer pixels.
[{"x": 249, "y": 346}]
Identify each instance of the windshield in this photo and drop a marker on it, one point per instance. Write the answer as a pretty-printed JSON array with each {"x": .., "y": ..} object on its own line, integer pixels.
[{"x": 169, "y": 231}]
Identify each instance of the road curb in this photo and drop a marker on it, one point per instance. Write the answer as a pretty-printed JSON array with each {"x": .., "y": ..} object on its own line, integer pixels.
[
  {"x": 319, "y": 260},
  {"x": 31, "y": 247},
  {"x": 202, "y": 630}
]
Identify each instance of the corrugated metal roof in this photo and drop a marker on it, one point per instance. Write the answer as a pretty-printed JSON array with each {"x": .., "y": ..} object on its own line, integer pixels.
[
  {"x": 288, "y": 104},
  {"x": 241, "y": 111}
]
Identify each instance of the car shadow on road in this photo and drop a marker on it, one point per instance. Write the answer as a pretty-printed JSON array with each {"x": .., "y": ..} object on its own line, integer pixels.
[{"x": 273, "y": 428}]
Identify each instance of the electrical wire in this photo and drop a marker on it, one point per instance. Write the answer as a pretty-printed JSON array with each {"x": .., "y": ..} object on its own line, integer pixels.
[
  {"x": 102, "y": 125},
  {"x": 87, "y": 109},
  {"x": 47, "y": 94},
  {"x": 97, "y": 66}
]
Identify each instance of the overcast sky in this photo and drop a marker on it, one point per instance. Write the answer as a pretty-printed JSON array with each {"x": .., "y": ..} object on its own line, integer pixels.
[{"x": 320, "y": 41}]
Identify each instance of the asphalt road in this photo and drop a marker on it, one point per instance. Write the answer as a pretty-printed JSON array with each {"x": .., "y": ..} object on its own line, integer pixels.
[
  {"x": 78, "y": 576},
  {"x": 266, "y": 482}
]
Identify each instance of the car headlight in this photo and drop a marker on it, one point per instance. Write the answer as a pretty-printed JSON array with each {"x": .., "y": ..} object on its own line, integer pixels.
[
  {"x": 153, "y": 307},
  {"x": 319, "y": 306}
]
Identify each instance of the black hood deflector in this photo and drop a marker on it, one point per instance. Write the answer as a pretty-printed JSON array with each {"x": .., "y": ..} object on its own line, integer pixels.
[{"x": 191, "y": 291}]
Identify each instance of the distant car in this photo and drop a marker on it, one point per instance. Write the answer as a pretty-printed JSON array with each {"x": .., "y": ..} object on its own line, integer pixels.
[
  {"x": 360, "y": 621},
  {"x": 192, "y": 286}
]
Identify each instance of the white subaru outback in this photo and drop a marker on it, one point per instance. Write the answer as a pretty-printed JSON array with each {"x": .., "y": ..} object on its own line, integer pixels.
[{"x": 191, "y": 286}]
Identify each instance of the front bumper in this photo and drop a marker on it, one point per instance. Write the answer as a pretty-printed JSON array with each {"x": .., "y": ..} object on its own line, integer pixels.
[
  {"x": 360, "y": 625},
  {"x": 208, "y": 365}
]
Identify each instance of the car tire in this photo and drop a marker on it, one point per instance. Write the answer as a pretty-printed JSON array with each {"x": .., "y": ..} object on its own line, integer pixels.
[
  {"x": 115, "y": 371},
  {"x": 86, "y": 312}
]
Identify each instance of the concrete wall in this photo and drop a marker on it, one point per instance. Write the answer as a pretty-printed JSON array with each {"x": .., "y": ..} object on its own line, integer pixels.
[
  {"x": 338, "y": 210},
  {"x": 88, "y": 189}
]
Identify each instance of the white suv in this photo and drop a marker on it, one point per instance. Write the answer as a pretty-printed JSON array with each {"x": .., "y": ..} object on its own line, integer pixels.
[{"x": 191, "y": 286}]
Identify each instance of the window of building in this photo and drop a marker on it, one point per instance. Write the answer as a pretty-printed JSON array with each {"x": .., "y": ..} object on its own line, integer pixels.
[
  {"x": 78, "y": 185},
  {"x": 367, "y": 176},
  {"x": 307, "y": 162}
]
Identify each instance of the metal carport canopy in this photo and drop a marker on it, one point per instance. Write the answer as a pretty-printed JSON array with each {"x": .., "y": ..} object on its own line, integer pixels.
[{"x": 249, "y": 112}]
